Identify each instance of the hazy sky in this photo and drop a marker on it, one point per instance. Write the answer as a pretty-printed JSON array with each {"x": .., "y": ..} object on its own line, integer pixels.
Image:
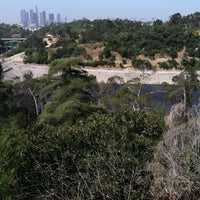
[{"x": 145, "y": 10}]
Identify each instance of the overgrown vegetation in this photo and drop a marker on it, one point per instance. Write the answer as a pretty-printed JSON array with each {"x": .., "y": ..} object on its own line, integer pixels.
[
  {"x": 128, "y": 38},
  {"x": 176, "y": 166},
  {"x": 60, "y": 142},
  {"x": 68, "y": 137},
  {"x": 65, "y": 136}
]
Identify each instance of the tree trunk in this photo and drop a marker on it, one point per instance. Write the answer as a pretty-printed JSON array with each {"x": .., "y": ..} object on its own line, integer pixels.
[
  {"x": 35, "y": 101},
  {"x": 184, "y": 103}
]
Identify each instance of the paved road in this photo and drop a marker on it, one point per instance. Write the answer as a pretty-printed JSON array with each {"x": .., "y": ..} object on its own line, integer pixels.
[
  {"x": 15, "y": 68},
  {"x": 148, "y": 77}
]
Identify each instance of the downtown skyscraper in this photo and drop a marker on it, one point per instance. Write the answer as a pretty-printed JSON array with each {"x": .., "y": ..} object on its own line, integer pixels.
[
  {"x": 35, "y": 19},
  {"x": 30, "y": 19},
  {"x": 51, "y": 18},
  {"x": 24, "y": 18},
  {"x": 43, "y": 20}
]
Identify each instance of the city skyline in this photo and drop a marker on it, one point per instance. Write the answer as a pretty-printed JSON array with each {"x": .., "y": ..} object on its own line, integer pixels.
[
  {"x": 34, "y": 18},
  {"x": 143, "y": 10}
]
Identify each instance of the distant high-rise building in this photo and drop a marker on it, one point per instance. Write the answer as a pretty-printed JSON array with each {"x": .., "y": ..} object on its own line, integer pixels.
[
  {"x": 58, "y": 20},
  {"x": 24, "y": 18},
  {"x": 51, "y": 18},
  {"x": 36, "y": 17},
  {"x": 31, "y": 16},
  {"x": 22, "y": 15},
  {"x": 43, "y": 18},
  {"x": 27, "y": 18}
]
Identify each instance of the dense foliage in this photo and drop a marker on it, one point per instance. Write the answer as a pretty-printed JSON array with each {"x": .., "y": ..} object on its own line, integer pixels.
[
  {"x": 101, "y": 157},
  {"x": 177, "y": 166},
  {"x": 8, "y": 31},
  {"x": 65, "y": 136},
  {"x": 128, "y": 38},
  {"x": 4, "y": 96},
  {"x": 131, "y": 38},
  {"x": 62, "y": 142}
]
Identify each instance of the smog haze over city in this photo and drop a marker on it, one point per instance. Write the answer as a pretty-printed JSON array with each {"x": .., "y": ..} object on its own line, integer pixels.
[{"x": 144, "y": 10}]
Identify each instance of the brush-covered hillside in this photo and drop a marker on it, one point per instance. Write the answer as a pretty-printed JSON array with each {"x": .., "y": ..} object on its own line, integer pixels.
[{"x": 120, "y": 43}]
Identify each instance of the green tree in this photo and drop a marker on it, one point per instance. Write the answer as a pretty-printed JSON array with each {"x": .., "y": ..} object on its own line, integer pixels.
[
  {"x": 185, "y": 86},
  {"x": 1, "y": 73},
  {"x": 141, "y": 64},
  {"x": 35, "y": 50},
  {"x": 12, "y": 146},
  {"x": 30, "y": 96},
  {"x": 176, "y": 19},
  {"x": 125, "y": 95},
  {"x": 102, "y": 157},
  {"x": 107, "y": 53},
  {"x": 5, "y": 90},
  {"x": 71, "y": 98}
]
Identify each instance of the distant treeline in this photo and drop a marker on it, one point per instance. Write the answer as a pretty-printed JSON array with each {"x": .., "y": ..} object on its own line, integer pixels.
[{"x": 127, "y": 37}]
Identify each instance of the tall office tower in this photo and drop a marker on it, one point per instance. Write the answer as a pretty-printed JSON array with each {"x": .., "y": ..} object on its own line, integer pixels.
[
  {"x": 24, "y": 18},
  {"x": 31, "y": 17},
  {"x": 58, "y": 20},
  {"x": 43, "y": 18},
  {"x": 51, "y": 18},
  {"x": 35, "y": 19},
  {"x": 22, "y": 15},
  {"x": 27, "y": 18},
  {"x": 36, "y": 16}
]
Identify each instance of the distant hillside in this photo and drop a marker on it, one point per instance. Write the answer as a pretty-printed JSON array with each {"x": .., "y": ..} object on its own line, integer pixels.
[{"x": 167, "y": 45}]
